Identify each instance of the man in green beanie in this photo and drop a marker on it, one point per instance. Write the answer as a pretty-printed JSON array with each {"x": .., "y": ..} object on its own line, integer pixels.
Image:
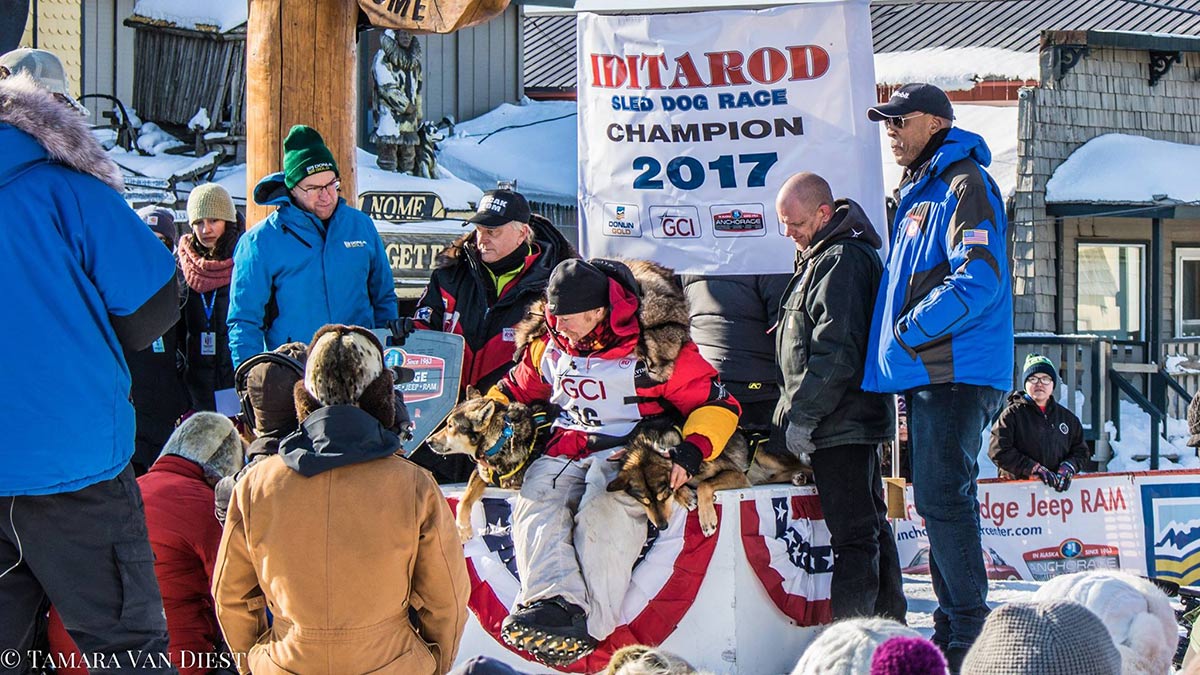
[{"x": 316, "y": 260}]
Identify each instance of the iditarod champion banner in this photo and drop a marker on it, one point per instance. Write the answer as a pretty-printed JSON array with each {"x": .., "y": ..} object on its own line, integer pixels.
[{"x": 689, "y": 124}]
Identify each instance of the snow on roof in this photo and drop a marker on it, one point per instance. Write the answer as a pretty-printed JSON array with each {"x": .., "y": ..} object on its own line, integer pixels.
[
  {"x": 535, "y": 143},
  {"x": 955, "y": 69},
  {"x": 223, "y": 15},
  {"x": 997, "y": 125},
  {"x": 1126, "y": 169}
]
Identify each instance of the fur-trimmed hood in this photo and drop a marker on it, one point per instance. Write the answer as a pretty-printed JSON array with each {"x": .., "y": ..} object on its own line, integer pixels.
[
  {"x": 62, "y": 134},
  {"x": 646, "y": 302}
]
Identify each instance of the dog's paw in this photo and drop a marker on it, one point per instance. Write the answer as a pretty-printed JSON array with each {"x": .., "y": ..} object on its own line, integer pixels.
[
  {"x": 687, "y": 498},
  {"x": 799, "y": 478},
  {"x": 708, "y": 521},
  {"x": 465, "y": 532}
]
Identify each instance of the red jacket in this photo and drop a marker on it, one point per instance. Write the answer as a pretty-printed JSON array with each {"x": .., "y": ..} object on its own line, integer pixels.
[
  {"x": 185, "y": 535},
  {"x": 602, "y": 400}
]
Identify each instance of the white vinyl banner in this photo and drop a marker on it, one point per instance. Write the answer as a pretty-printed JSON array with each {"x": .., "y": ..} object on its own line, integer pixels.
[{"x": 689, "y": 123}]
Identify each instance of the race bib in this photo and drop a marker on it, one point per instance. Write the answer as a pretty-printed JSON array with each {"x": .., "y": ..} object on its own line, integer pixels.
[{"x": 596, "y": 395}]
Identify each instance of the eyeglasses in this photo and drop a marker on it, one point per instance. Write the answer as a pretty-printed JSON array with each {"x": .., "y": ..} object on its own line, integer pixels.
[
  {"x": 1039, "y": 379},
  {"x": 898, "y": 122},
  {"x": 333, "y": 186}
]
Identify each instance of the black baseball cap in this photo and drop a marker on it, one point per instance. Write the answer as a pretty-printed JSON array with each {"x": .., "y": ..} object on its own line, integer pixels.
[
  {"x": 911, "y": 98},
  {"x": 500, "y": 207}
]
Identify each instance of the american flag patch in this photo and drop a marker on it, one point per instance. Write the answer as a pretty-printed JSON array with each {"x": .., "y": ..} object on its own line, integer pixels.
[{"x": 972, "y": 237}]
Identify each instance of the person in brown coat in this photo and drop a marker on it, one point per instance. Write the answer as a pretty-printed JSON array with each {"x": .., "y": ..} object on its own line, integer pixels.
[{"x": 338, "y": 537}]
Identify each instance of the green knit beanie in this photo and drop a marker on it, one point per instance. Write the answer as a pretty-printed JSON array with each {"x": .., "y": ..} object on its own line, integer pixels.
[{"x": 305, "y": 153}]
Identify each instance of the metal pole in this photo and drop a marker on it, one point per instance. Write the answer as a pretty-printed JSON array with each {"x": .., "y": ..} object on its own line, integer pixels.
[{"x": 1154, "y": 343}]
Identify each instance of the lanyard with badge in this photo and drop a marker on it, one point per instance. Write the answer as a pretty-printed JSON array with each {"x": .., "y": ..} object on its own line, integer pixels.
[{"x": 208, "y": 337}]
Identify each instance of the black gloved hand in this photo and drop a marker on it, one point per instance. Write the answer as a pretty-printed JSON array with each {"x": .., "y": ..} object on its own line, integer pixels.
[
  {"x": 1047, "y": 476},
  {"x": 401, "y": 329},
  {"x": 687, "y": 456},
  {"x": 402, "y": 426},
  {"x": 1066, "y": 471}
]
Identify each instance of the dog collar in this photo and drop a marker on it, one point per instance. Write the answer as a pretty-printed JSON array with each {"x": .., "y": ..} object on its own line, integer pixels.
[{"x": 504, "y": 436}]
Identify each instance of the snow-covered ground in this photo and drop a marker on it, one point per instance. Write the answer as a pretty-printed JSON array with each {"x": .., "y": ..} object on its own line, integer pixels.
[{"x": 922, "y": 602}]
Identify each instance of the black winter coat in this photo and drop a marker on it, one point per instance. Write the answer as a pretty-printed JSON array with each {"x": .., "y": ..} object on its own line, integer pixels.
[
  {"x": 206, "y": 374},
  {"x": 158, "y": 394},
  {"x": 824, "y": 323},
  {"x": 731, "y": 317},
  {"x": 1023, "y": 435},
  {"x": 459, "y": 299}
]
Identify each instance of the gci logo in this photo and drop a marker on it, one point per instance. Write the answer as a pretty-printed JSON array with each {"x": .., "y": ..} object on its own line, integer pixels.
[
  {"x": 675, "y": 222},
  {"x": 586, "y": 388}
]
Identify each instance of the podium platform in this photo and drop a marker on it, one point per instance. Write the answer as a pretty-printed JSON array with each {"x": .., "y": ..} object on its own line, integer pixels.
[{"x": 745, "y": 601}]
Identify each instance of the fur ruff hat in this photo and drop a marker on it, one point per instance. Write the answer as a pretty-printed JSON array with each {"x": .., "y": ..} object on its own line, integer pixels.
[
  {"x": 209, "y": 440},
  {"x": 1056, "y": 637},
  {"x": 345, "y": 367},
  {"x": 846, "y": 647},
  {"x": 1136, "y": 613}
]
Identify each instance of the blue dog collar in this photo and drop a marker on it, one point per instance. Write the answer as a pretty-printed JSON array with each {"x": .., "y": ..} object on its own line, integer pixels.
[{"x": 504, "y": 436}]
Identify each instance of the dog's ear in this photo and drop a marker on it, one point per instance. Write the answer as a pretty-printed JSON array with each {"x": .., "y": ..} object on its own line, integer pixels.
[
  {"x": 618, "y": 456},
  {"x": 618, "y": 484},
  {"x": 484, "y": 412},
  {"x": 472, "y": 392}
]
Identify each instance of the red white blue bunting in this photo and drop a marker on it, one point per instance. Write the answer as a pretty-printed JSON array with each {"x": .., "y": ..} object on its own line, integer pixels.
[
  {"x": 787, "y": 545},
  {"x": 666, "y": 578}
]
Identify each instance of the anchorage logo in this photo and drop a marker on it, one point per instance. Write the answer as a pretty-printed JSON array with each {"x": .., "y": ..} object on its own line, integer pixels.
[
  {"x": 675, "y": 222},
  {"x": 738, "y": 220},
  {"x": 622, "y": 220}
]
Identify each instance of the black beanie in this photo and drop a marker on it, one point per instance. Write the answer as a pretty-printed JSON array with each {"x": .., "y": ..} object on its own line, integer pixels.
[{"x": 576, "y": 286}]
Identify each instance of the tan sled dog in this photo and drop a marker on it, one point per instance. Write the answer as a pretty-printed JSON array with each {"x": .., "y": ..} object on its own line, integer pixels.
[
  {"x": 646, "y": 474},
  {"x": 502, "y": 439}
]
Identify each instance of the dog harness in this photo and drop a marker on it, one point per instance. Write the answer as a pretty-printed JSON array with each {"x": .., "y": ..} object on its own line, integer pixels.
[{"x": 541, "y": 422}]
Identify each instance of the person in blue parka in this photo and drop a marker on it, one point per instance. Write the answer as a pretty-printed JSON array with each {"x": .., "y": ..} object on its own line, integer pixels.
[
  {"x": 86, "y": 280},
  {"x": 314, "y": 261},
  {"x": 942, "y": 335}
]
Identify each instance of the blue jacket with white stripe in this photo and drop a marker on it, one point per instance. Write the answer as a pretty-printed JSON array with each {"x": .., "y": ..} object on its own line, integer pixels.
[
  {"x": 944, "y": 309},
  {"x": 291, "y": 276}
]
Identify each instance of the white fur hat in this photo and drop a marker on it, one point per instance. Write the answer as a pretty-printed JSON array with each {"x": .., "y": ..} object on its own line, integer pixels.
[
  {"x": 209, "y": 440},
  {"x": 846, "y": 647},
  {"x": 1136, "y": 613}
]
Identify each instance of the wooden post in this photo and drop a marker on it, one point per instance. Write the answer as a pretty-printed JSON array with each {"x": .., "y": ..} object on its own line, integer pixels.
[{"x": 300, "y": 69}]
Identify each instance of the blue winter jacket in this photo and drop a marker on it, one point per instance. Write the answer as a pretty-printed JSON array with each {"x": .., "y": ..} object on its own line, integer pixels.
[
  {"x": 74, "y": 253},
  {"x": 944, "y": 309},
  {"x": 290, "y": 277}
]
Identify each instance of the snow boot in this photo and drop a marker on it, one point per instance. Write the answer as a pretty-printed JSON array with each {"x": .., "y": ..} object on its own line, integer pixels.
[{"x": 552, "y": 630}]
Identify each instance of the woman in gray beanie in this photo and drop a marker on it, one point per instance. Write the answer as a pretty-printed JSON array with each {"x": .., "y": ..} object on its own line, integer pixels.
[{"x": 1056, "y": 637}]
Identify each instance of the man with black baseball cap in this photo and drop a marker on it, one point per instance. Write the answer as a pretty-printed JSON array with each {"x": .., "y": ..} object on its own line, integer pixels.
[
  {"x": 942, "y": 335},
  {"x": 481, "y": 288}
]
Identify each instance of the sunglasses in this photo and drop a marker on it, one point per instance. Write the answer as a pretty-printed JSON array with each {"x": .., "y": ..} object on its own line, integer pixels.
[{"x": 898, "y": 122}]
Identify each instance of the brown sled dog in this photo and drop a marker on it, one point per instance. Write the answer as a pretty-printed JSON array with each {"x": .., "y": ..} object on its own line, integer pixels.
[
  {"x": 502, "y": 439},
  {"x": 645, "y": 474}
]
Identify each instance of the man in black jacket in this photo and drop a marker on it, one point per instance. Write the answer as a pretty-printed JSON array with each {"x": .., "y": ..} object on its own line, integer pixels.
[
  {"x": 1035, "y": 437},
  {"x": 822, "y": 338},
  {"x": 481, "y": 289}
]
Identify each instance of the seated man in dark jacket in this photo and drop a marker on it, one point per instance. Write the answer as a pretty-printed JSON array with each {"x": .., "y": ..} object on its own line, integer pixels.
[{"x": 1035, "y": 437}]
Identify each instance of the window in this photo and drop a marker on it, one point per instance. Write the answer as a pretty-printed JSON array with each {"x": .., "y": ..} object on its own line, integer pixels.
[
  {"x": 1111, "y": 290},
  {"x": 1187, "y": 292}
]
